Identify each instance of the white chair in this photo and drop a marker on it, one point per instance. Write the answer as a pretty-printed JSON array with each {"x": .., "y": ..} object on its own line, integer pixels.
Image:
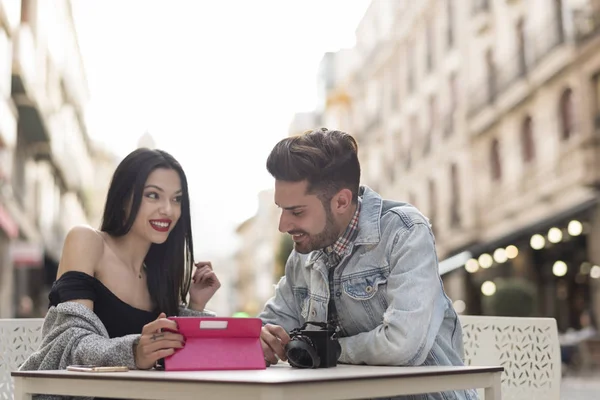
[
  {"x": 527, "y": 348},
  {"x": 18, "y": 339}
]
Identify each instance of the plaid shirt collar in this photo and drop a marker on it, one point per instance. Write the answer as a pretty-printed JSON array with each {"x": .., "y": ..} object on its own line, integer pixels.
[{"x": 336, "y": 251}]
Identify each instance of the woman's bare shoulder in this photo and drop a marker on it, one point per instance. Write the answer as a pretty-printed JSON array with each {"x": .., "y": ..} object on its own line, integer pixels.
[{"x": 82, "y": 250}]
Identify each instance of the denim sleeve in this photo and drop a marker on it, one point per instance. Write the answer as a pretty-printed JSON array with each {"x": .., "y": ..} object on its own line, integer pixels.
[
  {"x": 281, "y": 309},
  {"x": 416, "y": 307}
]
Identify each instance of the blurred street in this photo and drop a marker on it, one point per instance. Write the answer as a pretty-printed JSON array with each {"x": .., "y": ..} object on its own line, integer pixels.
[
  {"x": 585, "y": 387},
  {"x": 483, "y": 114}
]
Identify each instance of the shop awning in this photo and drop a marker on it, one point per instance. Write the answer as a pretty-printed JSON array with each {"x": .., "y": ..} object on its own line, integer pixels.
[{"x": 459, "y": 260}]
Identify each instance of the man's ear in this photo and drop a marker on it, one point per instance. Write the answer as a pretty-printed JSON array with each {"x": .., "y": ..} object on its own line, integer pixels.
[{"x": 342, "y": 201}]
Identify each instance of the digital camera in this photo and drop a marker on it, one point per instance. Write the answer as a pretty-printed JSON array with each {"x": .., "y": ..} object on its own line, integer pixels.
[{"x": 313, "y": 348}]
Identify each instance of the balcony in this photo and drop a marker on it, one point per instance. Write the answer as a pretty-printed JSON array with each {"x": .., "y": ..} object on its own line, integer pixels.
[
  {"x": 514, "y": 68},
  {"x": 8, "y": 123},
  {"x": 482, "y": 95},
  {"x": 10, "y": 14},
  {"x": 28, "y": 86},
  {"x": 74, "y": 81},
  {"x": 545, "y": 40},
  {"x": 586, "y": 24},
  {"x": 534, "y": 65},
  {"x": 5, "y": 64},
  {"x": 68, "y": 148},
  {"x": 24, "y": 61}
]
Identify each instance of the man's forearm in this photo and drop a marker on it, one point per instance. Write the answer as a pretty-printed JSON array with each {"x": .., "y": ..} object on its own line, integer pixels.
[{"x": 375, "y": 348}]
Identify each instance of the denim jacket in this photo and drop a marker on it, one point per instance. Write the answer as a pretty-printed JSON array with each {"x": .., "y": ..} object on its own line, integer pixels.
[{"x": 392, "y": 309}]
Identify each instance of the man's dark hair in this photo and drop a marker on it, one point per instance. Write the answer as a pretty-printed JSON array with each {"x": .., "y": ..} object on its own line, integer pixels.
[{"x": 328, "y": 160}]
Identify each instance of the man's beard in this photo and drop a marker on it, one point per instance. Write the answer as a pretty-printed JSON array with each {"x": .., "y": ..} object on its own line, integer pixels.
[{"x": 321, "y": 240}]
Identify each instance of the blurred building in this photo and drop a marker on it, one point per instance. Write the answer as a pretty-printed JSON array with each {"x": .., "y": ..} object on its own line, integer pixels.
[
  {"x": 302, "y": 122},
  {"x": 47, "y": 168},
  {"x": 105, "y": 162},
  {"x": 147, "y": 141},
  {"x": 484, "y": 114},
  {"x": 224, "y": 302},
  {"x": 256, "y": 257}
]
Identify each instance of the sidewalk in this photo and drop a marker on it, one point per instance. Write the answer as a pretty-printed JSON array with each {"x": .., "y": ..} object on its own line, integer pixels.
[{"x": 580, "y": 387}]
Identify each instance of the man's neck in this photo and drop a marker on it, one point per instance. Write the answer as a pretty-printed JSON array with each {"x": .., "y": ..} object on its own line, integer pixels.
[{"x": 347, "y": 218}]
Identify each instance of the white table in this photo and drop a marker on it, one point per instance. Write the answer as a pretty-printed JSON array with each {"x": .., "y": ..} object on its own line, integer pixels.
[{"x": 276, "y": 382}]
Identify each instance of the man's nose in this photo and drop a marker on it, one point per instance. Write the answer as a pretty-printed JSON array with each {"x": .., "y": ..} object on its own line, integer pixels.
[{"x": 283, "y": 224}]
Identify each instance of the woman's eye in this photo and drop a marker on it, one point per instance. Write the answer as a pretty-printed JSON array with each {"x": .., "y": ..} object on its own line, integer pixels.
[
  {"x": 152, "y": 195},
  {"x": 177, "y": 199}
]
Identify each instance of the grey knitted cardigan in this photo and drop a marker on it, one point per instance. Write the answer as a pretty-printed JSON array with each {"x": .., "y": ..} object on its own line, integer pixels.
[{"x": 72, "y": 334}]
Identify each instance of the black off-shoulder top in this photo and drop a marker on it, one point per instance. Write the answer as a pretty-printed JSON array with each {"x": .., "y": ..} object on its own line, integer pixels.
[{"x": 119, "y": 318}]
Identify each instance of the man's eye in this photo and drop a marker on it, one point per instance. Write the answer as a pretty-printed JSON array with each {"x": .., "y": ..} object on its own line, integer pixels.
[{"x": 297, "y": 213}]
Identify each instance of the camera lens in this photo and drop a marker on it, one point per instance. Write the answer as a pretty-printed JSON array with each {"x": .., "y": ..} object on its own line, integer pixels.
[
  {"x": 301, "y": 353},
  {"x": 299, "y": 358}
]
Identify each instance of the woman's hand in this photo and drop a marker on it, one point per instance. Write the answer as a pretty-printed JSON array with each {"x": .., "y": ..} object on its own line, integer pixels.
[
  {"x": 204, "y": 285},
  {"x": 155, "y": 344}
]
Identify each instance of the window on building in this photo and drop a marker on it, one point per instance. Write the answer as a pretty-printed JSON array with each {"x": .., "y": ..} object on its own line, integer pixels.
[
  {"x": 558, "y": 9},
  {"x": 521, "y": 47},
  {"x": 412, "y": 199},
  {"x": 566, "y": 112},
  {"x": 433, "y": 113},
  {"x": 491, "y": 74},
  {"x": 408, "y": 158},
  {"x": 455, "y": 197},
  {"x": 527, "y": 141},
  {"x": 433, "y": 123},
  {"x": 430, "y": 43},
  {"x": 596, "y": 83},
  {"x": 496, "y": 166},
  {"x": 394, "y": 89},
  {"x": 452, "y": 105},
  {"x": 450, "y": 23},
  {"x": 415, "y": 134},
  {"x": 432, "y": 204},
  {"x": 453, "y": 91},
  {"x": 411, "y": 67},
  {"x": 391, "y": 165}
]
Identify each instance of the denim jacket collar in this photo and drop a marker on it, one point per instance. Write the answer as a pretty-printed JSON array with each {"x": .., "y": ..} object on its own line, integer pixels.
[{"x": 369, "y": 225}]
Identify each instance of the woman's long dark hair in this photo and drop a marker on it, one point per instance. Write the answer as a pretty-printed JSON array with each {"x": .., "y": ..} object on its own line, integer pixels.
[{"x": 168, "y": 265}]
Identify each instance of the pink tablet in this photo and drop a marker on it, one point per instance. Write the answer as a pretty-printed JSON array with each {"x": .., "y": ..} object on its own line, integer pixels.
[{"x": 217, "y": 344}]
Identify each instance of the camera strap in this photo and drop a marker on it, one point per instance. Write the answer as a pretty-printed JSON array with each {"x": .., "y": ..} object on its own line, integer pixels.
[{"x": 332, "y": 315}]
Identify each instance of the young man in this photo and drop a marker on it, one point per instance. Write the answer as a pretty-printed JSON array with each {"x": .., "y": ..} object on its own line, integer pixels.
[{"x": 366, "y": 264}]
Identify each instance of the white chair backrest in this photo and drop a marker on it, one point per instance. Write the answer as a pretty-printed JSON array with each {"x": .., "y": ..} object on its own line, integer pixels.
[
  {"x": 527, "y": 348},
  {"x": 18, "y": 339}
]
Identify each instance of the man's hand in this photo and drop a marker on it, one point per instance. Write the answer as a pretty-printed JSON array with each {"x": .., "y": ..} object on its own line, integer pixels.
[{"x": 273, "y": 339}]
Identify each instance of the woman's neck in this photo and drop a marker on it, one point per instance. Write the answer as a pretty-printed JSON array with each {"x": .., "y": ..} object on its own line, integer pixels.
[{"x": 131, "y": 250}]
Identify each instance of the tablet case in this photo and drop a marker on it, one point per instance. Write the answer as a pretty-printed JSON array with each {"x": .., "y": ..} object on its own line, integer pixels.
[{"x": 217, "y": 344}]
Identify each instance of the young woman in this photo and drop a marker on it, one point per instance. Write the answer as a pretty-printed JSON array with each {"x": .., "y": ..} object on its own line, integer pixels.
[{"x": 131, "y": 274}]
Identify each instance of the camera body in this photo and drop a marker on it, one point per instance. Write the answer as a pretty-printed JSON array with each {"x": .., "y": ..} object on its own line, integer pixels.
[{"x": 309, "y": 348}]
